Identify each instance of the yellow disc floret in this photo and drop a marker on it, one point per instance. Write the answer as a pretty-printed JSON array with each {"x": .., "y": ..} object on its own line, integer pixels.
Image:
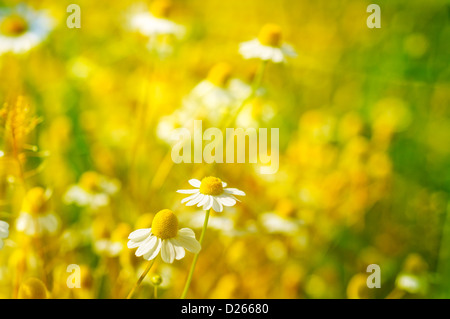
[
  {"x": 285, "y": 208},
  {"x": 270, "y": 35},
  {"x": 165, "y": 224},
  {"x": 35, "y": 201},
  {"x": 90, "y": 181},
  {"x": 211, "y": 186},
  {"x": 161, "y": 8},
  {"x": 219, "y": 74},
  {"x": 13, "y": 26},
  {"x": 32, "y": 288},
  {"x": 357, "y": 287}
]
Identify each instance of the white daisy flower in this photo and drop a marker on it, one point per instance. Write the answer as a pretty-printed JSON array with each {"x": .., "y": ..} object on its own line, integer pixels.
[
  {"x": 35, "y": 218},
  {"x": 93, "y": 190},
  {"x": 163, "y": 236},
  {"x": 254, "y": 113},
  {"x": 155, "y": 22},
  {"x": 410, "y": 283},
  {"x": 210, "y": 193},
  {"x": 169, "y": 123},
  {"x": 268, "y": 46},
  {"x": 113, "y": 244},
  {"x": 240, "y": 89},
  {"x": 4, "y": 232},
  {"x": 212, "y": 96},
  {"x": 274, "y": 223},
  {"x": 224, "y": 224},
  {"x": 108, "y": 247},
  {"x": 22, "y": 28}
]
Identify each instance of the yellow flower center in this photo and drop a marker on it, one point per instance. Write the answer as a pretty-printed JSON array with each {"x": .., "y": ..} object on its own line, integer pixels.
[
  {"x": 161, "y": 8},
  {"x": 35, "y": 201},
  {"x": 33, "y": 288},
  {"x": 211, "y": 186},
  {"x": 165, "y": 224},
  {"x": 219, "y": 74},
  {"x": 90, "y": 182},
  {"x": 13, "y": 25},
  {"x": 270, "y": 35},
  {"x": 285, "y": 208}
]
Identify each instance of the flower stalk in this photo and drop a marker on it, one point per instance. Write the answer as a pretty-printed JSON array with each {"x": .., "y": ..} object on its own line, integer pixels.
[
  {"x": 138, "y": 283},
  {"x": 194, "y": 262}
]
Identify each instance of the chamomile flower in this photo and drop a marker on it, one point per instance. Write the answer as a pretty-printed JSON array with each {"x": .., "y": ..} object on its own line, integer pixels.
[
  {"x": 93, "y": 190},
  {"x": 274, "y": 223},
  {"x": 33, "y": 288},
  {"x": 282, "y": 220},
  {"x": 255, "y": 112},
  {"x": 212, "y": 97},
  {"x": 169, "y": 123},
  {"x": 165, "y": 237},
  {"x": 22, "y": 28},
  {"x": 223, "y": 224},
  {"x": 36, "y": 218},
  {"x": 113, "y": 246},
  {"x": 4, "y": 232},
  {"x": 268, "y": 46},
  {"x": 210, "y": 192},
  {"x": 155, "y": 22}
]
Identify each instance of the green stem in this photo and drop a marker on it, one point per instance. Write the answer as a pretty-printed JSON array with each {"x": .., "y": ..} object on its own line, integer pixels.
[
  {"x": 194, "y": 262},
  {"x": 138, "y": 283},
  {"x": 156, "y": 292},
  {"x": 442, "y": 261},
  {"x": 255, "y": 86}
]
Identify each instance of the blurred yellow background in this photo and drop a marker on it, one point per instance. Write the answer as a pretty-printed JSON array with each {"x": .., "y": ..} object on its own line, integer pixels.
[{"x": 364, "y": 149}]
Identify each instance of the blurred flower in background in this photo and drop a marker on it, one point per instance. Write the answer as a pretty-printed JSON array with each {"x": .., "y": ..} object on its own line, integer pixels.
[
  {"x": 4, "y": 232},
  {"x": 93, "y": 190},
  {"x": 36, "y": 217},
  {"x": 267, "y": 46},
  {"x": 22, "y": 28},
  {"x": 90, "y": 114}
]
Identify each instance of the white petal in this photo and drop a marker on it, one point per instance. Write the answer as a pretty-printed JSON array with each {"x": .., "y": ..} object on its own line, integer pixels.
[
  {"x": 217, "y": 206},
  {"x": 167, "y": 251},
  {"x": 198, "y": 197},
  {"x": 195, "y": 182},
  {"x": 22, "y": 222},
  {"x": 187, "y": 242},
  {"x": 188, "y": 191},
  {"x": 266, "y": 53},
  {"x": 4, "y": 229},
  {"x": 187, "y": 199},
  {"x": 133, "y": 244},
  {"x": 277, "y": 56},
  {"x": 179, "y": 251},
  {"x": 288, "y": 50},
  {"x": 203, "y": 201},
  {"x": 49, "y": 223},
  {"x": 226, "y": 200},
  {"x": 224, "y": 184},
  {"x": 234, "y": 191},
  {"x": 140, "y": 234},
  {"x": 187, "y": 232},
  {"x": 146, "y": 246},
  {"x": 152, "y": 253},
  {"x": 208, "y": 203}
]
